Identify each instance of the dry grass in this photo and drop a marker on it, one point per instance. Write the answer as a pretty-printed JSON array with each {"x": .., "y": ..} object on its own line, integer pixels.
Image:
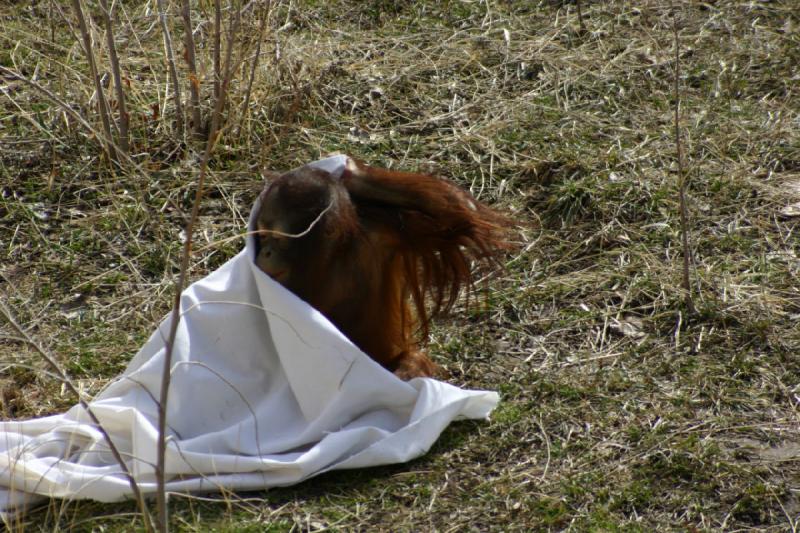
[{"x": 620, "y": 410}]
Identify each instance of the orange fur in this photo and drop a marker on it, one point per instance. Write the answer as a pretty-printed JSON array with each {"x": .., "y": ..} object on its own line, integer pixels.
[{"x": 392, "y": 251}]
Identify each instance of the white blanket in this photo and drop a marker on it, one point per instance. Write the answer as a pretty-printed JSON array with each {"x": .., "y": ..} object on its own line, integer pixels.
[{"x": 265, "y": 392}]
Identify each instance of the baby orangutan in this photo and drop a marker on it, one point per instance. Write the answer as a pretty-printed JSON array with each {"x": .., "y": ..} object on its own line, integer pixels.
[{"x": 378, "y": 252}]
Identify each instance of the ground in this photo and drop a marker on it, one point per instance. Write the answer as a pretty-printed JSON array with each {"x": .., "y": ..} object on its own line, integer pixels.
[{"x": 623, "y": 406}]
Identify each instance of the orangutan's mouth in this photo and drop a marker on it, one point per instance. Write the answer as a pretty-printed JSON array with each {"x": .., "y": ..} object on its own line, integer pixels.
[{"x": 279, "y": 276}]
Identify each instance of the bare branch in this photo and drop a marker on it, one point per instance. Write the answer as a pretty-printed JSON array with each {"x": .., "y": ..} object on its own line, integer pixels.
[
  {"x": 687, "y": 288},
  {"x": 581, "y": 25},
  {"x": 161, "y": 495},
  {"x": 261, "y": 30},
  {"x": 98, "y": 86},
  {"x": 124, "y": 118},
  {"x": 217, "y": 47},
  {"x": 194, "y": 81},
  {"x": 173, "y": 71}
]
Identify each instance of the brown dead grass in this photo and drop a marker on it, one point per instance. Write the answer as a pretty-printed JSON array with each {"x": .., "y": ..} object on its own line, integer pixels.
[{"x": 620, "y": 411}]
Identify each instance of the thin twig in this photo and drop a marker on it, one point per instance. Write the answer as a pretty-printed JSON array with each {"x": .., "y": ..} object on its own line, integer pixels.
[
  {"x": 580, "y": 17},
  {"x": 173, "y": 71},
  {"x": 98, "y": 86},
  {"x": 51, "y": 20},
  {"x": 161, "y": 493},
  {"x": 23, "y": 335},
  {"x": 261, "y": 31},
  {"x": 687, "y": 288},
  {"x": 124, "y": 118},
  {"x": 217, "y": 47},
  {"x": 194, "y": 81}
]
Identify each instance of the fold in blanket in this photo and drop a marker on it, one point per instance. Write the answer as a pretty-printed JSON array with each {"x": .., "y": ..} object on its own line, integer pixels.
[{"x": 265, "y": 392}]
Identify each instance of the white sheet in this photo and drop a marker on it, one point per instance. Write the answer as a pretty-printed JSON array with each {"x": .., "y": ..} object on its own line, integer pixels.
[{"x": 265, "y": 392}]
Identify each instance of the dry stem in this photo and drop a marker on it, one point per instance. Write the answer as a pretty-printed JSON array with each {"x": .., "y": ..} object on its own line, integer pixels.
[
  {"x": 194, "y": 81},
  {"x": 173, "y": 71},
  {"x": 681, "y": 174},
  {"x": 580, "y": 16},
  {"x": 98, "y": 86},
  {"x": 217, "y": 47},
  {"x": 161, "y": 497},
  {"x": 124, "y": 118},
  {"x": 248, "y": 92}
]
